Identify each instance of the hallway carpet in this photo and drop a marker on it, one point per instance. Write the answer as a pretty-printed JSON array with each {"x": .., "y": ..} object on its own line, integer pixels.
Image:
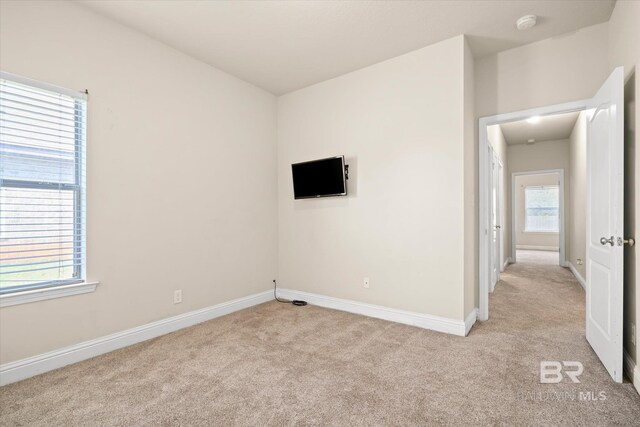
[
  {"x": 538, "y": 257},
  {"x": 279, "y": 365}
]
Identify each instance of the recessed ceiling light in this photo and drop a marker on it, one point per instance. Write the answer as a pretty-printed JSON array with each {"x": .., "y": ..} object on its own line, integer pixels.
[
  {"x": 531, "y": 141},
  {"x": 526, "y": 22},
  {"x": 533, "y": 120}
]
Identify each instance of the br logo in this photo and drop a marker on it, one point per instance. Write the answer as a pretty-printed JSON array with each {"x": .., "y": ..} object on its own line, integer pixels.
[{"x": 551, "y": 371}]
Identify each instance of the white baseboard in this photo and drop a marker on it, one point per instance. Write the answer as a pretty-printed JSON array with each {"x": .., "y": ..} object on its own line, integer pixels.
[
  {"x": 470, "y": 321},
  {"x": 575, "y": 272},
  {"x": 632, "y": 370},
  {"x": 29, "y": 367},
  {"x": 538, "y": 248},
  {"x": 506, "y": 263},
  {"x": 426, "y": 321}
]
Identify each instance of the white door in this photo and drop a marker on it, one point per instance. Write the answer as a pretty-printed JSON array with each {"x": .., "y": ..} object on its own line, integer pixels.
[
  {"x": 605, "y": 160},
  {"x": 495, "y": 220}
]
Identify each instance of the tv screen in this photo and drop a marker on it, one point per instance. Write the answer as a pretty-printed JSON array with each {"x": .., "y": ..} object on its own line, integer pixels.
[{"x": 319, "y": 178}]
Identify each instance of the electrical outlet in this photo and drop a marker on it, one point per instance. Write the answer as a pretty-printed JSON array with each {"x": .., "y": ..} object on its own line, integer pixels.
[
  {"x": 633, "y": 334},
  {"x": 177, "y": 296},
  {"x": 366, "y": 282},
  {"x": 579, "y": 260}
]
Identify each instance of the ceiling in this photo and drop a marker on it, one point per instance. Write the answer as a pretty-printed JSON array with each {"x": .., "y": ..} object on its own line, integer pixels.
[
  {"x": 549, "y": 128},
  {"x": 282, "y": 46}
]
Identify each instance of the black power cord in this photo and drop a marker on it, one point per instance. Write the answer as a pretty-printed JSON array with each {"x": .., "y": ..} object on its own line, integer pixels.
[{"x": 299, "y": 303}]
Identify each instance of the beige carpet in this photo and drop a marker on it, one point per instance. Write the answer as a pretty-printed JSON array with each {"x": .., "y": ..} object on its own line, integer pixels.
[
  {"x": 276, "y": 364},
  {"x": 538, "y": 257}
]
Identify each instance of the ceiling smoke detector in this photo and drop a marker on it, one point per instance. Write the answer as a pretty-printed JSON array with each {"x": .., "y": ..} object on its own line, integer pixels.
[{"x": 526, "y": 22}]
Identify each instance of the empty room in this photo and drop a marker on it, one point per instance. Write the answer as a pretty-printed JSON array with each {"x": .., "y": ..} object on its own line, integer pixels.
[{"x": 332, "y": 213}]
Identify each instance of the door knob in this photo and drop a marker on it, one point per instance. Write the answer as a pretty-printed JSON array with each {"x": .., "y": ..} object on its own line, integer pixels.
[
  {"x": 497, "y": 226},
  {"x": 604, "y": 241},
  {"x": 630, "y": 241}
]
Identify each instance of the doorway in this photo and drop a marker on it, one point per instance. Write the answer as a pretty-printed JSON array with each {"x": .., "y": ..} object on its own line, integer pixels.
[
  {"x": 538, "y": 215},
  {"x": 487, "y": 175},
  {"x": 604, "y": 207}
]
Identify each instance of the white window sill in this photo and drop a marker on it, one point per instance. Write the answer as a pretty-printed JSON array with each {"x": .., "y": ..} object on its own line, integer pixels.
[
  {"x": 540, "y": 232},
  {"x": 33, "y": 295}
]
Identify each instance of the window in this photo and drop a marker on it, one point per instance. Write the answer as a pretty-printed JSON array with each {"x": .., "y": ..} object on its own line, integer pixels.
[
  {"x": 42, "y": 185},
  {"x": 542, "y": 209}
]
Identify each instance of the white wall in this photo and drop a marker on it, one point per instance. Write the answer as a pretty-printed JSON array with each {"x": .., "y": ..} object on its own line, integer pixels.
[
  {"x": 539, "y": 156},
  {"x": 624, "y": 49},
  {"x": 181, "y": 176},
  {"x": 400, "y": 125},
  {"x": 577, "y": 246},
  {"x": 565, "y": 68},
  {"x": 527, "y": 239}
]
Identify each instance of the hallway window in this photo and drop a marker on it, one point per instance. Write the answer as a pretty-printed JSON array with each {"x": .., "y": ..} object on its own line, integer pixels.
[{"x": 542, "y": 209}]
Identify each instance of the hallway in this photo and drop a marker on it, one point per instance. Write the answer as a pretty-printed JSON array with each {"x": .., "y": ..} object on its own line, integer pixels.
[{"x": 538, "y": 257}]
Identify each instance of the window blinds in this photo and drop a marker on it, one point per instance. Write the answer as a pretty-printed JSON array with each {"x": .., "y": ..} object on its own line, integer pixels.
[{"x": 42, "y": 184}]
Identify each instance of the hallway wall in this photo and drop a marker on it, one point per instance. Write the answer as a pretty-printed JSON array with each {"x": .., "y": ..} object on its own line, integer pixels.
[{"x": 577, "y": 177}]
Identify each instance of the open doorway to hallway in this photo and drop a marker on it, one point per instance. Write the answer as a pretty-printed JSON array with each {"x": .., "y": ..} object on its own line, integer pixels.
[
  {"x": 531, "y": 205},
  {"x": 544, "y": 159},
  {"x": 595, "y": 128}
]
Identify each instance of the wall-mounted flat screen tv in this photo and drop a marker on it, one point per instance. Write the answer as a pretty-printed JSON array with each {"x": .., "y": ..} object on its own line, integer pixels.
[{"x": 319, "y": 178}]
